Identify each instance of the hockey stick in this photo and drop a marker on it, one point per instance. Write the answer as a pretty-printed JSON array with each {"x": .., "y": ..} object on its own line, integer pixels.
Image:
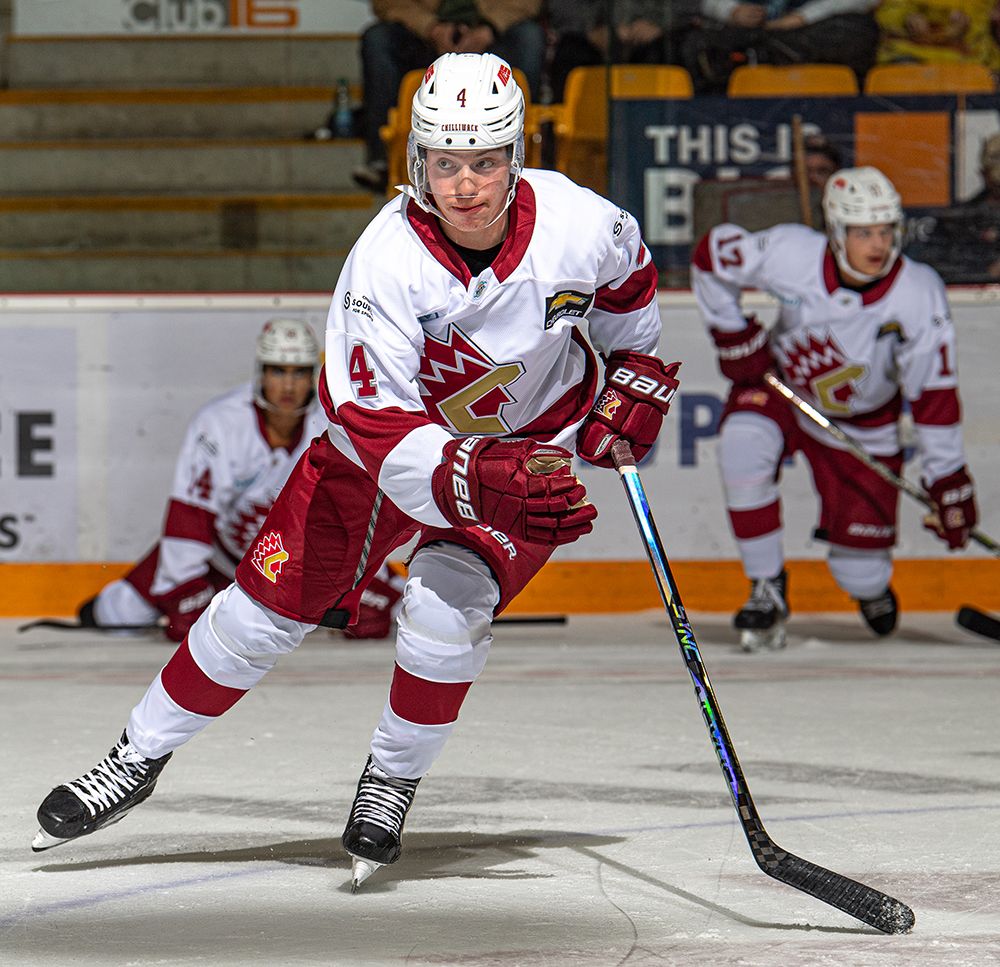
[
  {"x": 801, "y": 175},
  {"x": 76, "y": 626},
  {"x": 868, "y": 905},
  {"x": 972, "y": 619},
  {"x": 901, "y": 483}
]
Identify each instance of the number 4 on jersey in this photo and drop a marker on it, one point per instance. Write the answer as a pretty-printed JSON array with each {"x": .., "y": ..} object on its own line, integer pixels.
[{"x": 362, "y": 374}]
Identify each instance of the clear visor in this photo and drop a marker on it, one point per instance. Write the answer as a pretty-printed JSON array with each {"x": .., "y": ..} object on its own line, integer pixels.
[{"x": 416, "y": 166}]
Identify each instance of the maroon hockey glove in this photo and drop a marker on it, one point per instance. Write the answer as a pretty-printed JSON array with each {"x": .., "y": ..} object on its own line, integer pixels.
[
  {"x": 183, "y": 605},
  {"x": 375, "y": 611},
  {"x": 744, "y": 356},
  {"x": 955, "y": 499},
  {"x": 522, "y": 488},
  {"x": 636, "y": 395}
]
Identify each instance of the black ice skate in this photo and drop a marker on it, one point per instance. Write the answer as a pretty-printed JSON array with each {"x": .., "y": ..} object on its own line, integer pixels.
[
  {"x": 375, "y": 825},
  {"x": 761, "y": 621},
  {"x": 119, "y": 782},
  {"x": 880, "y": 613}
]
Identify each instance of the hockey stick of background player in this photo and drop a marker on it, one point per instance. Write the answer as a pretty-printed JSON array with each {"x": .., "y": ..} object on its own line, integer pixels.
[
  {"x": 801, "y": 175},
  {"x": 863, "y": 902},
  {"x": 867, "y": 459},
  {"x": 968, "y": 617}
]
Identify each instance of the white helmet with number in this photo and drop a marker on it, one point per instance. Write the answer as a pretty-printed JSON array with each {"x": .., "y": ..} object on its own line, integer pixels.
[
  {"x": 284, "y": 342},
  {"x": 861, "y": 196},
  {"x": 466, "y": 102}
]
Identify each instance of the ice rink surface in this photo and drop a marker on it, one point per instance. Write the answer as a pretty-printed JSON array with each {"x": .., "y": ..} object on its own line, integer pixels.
[{"x": 578, "y": 815}]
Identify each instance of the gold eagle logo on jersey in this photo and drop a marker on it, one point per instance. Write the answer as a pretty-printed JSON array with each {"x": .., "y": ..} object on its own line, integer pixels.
[
  {"x": 567, "y": 303},
  {"x": 462, "y": 387}
]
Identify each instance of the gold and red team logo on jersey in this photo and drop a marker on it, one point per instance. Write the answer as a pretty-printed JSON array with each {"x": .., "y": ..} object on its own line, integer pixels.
[
  {"x": 567, "y": 303},
  {"x": 819, "y": 366},
  {"x": 269, "y": 555},
  {"x": 462, "y": 387},
  {"x": 607, "y": 403}
]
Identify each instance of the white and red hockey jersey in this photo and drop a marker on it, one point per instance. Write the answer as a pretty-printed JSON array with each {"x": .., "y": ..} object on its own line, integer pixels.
[
  {"x": 418, "y": 351},
  {"x": 856, "y": 355},
  {"x": 226, "y": 478}
]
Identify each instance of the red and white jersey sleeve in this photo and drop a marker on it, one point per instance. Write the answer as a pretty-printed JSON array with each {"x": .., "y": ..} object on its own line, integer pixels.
[
  {"x": 226, "y": 478},
  {"x": 856, "y": 355},
  {"x": 418, "y": 351},
  {"x": 926, "y": 357}
]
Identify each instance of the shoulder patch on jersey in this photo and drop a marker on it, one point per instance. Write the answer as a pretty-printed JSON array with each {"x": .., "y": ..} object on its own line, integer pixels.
[
  {"x": 570, "y": 303},
  {"x": 358, "y": 303},
  {"x": 891, "y": 328}
]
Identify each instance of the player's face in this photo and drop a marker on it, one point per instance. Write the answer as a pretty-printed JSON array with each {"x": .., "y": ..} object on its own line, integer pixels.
[
  {"x": 469, "y": 189},
  {"x": 286, "y": 387},
  {"x": 868, "y": 247},
  {"x": 818, "y": 169}
]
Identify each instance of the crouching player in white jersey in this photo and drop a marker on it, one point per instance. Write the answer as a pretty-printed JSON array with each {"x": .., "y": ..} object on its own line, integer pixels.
[
  {"x": 237, "y": 453},
  {"x": 861, "y": 330},
  {"x": 456, "y": 381}
]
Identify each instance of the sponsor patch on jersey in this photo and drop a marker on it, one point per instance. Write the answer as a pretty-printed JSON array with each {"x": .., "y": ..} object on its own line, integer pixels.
[
  {"x": 570, "y": 303},
  {"x": 269, "y": 555},
  {"x": 358, "y": 304}
]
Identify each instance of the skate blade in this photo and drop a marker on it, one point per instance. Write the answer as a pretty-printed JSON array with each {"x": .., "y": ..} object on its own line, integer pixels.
[
  {"x": 768, "y": 639},
  {"x": 361, "y": 869},
  {"x": 44, "y": 841}
]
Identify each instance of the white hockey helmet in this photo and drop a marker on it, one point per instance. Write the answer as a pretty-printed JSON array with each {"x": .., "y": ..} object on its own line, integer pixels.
[
  {"x": 861, "y": 196},
  {"x": 284, "y": 342},
  {"x": 466, "y": 102}
]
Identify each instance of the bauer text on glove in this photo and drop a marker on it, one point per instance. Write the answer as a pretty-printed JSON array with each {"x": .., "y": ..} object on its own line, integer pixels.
[
  {"x": 636, "y": 395},
  {"x": 522, "y": 488}
]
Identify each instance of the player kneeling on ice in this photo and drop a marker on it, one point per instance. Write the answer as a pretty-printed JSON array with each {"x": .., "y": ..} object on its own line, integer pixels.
[
  {"x": 456, "y": 381},
  {"x": 237, "y": 453},
  {"x": 861, "y": 331}
]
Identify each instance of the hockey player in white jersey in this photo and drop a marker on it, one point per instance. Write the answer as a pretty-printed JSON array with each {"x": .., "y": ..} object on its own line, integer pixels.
[
  {"x": 861, "y": 331},
  {"x": 238, "y": 450},
  {"x": 456, "y": 383}
]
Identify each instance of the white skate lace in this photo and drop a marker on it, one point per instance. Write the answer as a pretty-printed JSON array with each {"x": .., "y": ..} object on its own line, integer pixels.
[
  {"x": 877, "y": 607},
  {"x": 383, "y": 800},
  {"x": 111, "y": 780},
  {"x": 765, "y": 596}
]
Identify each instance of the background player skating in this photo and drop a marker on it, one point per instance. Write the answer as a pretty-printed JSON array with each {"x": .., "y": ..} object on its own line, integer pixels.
[
  {"x": 456, "y": 375},
  {"x": 861, "y": 330}
]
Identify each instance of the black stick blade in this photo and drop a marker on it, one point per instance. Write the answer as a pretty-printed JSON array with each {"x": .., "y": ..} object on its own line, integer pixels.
[
  {"x": 868, "y": 905},
  {"x": 972, "y": 619}
]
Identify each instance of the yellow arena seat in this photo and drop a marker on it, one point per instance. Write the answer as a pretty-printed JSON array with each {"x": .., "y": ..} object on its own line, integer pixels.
[
  {"x": 581, "y": 121},
  {"x": 805, "y": 80},
  {"x": 957, "y": 77}
]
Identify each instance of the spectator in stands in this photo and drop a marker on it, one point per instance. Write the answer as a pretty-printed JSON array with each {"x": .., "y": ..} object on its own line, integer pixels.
[
  {"x": 410, "y": 34},
  {"x": 642, "y": 32},
  {"x": 822, "y": 160},
  {"x": 927, "y": 31},
  {"x": 778, "y": 32}
]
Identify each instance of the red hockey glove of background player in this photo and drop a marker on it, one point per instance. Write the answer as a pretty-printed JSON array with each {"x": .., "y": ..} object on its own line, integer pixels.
[
  {"x": 744, "y": 356},
  {"x": 954, "y": 497},
  {"x": 374, "y": 611},
  {"x": 183, "y": 605},
  {"x": 636, "y": 395},
  {"x": 522, "y": 488}
]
